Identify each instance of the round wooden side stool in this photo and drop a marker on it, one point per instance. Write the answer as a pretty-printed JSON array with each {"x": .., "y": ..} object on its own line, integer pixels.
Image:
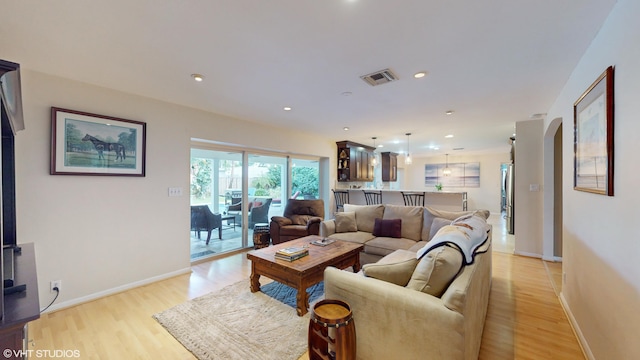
[
  {"x": 332, "y": 332},
  {"x": 261, "y": 236}
]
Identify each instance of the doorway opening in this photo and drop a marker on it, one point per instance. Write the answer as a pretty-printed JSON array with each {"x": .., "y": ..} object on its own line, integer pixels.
[{"x": 553, "y": 193}]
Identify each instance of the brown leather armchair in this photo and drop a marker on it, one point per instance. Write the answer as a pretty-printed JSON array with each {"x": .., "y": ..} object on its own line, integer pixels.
[{"x": 300, "y": 218}]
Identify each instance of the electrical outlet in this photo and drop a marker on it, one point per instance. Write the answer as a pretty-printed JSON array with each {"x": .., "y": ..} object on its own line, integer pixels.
[{"x": 56, "y": 284}]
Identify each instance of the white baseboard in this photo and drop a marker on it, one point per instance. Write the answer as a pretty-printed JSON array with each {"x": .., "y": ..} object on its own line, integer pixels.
[
  {"x": 576, "y": 329},
  {"x": 528, "y": 254},
  {"x": 552, "y": 258},
  {"x": 115, "y": 290}
]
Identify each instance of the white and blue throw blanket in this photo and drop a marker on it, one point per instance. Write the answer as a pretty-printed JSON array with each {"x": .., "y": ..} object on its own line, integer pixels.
[{"x": 467, "y": 233}]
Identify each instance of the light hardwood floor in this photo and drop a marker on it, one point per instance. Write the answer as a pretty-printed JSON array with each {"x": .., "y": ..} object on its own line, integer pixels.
[{"x": 524, "y": 320}]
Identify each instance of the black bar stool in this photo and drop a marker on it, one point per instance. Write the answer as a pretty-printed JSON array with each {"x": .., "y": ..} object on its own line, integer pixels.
[
  {"x": 341, "y": 197},
  {"x": 373, "y": 197},
  {"x": 413, "y": 198}
]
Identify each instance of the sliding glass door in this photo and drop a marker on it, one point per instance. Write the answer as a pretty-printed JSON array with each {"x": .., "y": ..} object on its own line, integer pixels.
[
  {"x": 216, "y": 185},
  {"x": 267, "y": 187},
  {"x": 234, "y": 192}
]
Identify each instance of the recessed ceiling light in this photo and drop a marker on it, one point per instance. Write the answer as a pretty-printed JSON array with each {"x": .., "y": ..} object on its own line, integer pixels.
[
  {"x": 197, "y": 77},
  {"x": 449, "y": 112},
  {"x": 449, "y": 136},
  {"x": 346, "y": 128},
  {"x": 436, "y": 148},
  {"x": 286, "y": 108},
  {"x": 420, "y": 74}
]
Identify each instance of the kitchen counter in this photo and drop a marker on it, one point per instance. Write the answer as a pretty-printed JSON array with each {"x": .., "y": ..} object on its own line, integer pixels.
[{"x": 443, "y": 200}]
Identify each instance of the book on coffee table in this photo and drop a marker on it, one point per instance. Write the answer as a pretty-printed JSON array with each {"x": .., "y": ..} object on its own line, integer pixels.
[
  {"x": 293, "y": 250},
  {"x": 292, "y": 253},
  {"x": 293, "y": 257}
]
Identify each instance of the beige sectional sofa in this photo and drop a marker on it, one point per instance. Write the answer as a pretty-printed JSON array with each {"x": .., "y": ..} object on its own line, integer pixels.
[
  {"x": 409, "y": 308},
  {"x": 419, "y": 225}
]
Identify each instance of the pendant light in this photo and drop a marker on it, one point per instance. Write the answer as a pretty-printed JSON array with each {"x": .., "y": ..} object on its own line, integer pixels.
[
  {"x": 374, "y": 159},
  {"x": 407, "y": 159},
  {"x": 446, "y": 171}
]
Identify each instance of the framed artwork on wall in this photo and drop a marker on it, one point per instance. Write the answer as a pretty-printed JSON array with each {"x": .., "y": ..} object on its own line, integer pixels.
[
  {"x": 91, "y": 144},
  {"x": 593, "y": 137},
  {"x": 462, "y": 175}
]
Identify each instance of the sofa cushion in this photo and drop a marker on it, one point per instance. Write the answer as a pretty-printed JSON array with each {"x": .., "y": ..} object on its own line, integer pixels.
[
  {"x": 411, "y": 219},
  {"x": 437, "y": 224},
  {"x": 297, "y": 230},
  {"x": 417, "y": 246},
  {"x": 436, "y": 270},
  {"x": 382, "y": 246},
  {"x": 300, "y": 219},
  {"x": 397, "y": 256},
  {"x": 359, "y": 237},
  {"x": 388, "y": 228},
  {"x": 311, "y": 207},
  {"x": 346, "y": 222},
  {"x": 365, "y": 215},
  {"x": 429, "y": 214},
  {"x": 397, "y": 273}
]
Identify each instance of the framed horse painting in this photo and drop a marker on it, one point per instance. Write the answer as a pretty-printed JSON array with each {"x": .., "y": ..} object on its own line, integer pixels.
[{"x": 91, "y": 144}]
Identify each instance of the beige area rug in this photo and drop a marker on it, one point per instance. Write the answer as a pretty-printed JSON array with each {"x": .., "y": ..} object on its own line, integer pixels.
[{"x": 235, "y": 323}]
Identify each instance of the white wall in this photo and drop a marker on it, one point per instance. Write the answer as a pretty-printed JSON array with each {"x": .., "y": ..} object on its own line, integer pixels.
[
  {"x": 528, "y": 203},
  {"x": 601, "y": 253},
  {"x": 487, "y": 196},
  {"x": 103, "y": 234}
]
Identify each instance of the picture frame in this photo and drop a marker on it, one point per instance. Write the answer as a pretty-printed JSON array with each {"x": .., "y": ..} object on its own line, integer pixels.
[
  {"x": 462, "y": 175},
  {"x": 90, "y": 144},
  {"x": 593, "y": 115}
]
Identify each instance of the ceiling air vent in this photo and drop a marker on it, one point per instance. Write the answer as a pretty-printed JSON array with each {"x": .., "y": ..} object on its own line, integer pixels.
[{"x": 379, "y": 77}]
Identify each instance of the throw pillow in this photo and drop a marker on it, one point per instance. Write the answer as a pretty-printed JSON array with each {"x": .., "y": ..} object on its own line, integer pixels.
[
  {"x": 436, "y": 270},
  {"x": 388, "y": 228},
  {"x": 397, "y": 273},
  {"x": 346, "y": 222},
  {"x": 411, "y": 219},
  {"x": 437, "y": 224},
  {"x": 365, "y": 215},
  {"x": 431, "y": 213}
]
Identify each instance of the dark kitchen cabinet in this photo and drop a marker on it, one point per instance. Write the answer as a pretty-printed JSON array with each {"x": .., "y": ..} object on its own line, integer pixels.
[
  {"x": 354, "y": 161},
  {"x": 389, "y": 163}
]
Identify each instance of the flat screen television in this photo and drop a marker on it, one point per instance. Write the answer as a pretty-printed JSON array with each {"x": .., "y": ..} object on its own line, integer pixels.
[{"x": 12, "y": 121}]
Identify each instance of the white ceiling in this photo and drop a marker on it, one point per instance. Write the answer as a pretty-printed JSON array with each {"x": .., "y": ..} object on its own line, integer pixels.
[{"x": 493, "y": 62}]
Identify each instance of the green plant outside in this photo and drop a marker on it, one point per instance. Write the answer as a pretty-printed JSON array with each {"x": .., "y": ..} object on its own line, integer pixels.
[{"x": 305, "y": 180}]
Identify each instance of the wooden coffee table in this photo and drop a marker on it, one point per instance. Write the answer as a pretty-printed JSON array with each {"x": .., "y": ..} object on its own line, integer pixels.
[{"x": 304, "y": 272}]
